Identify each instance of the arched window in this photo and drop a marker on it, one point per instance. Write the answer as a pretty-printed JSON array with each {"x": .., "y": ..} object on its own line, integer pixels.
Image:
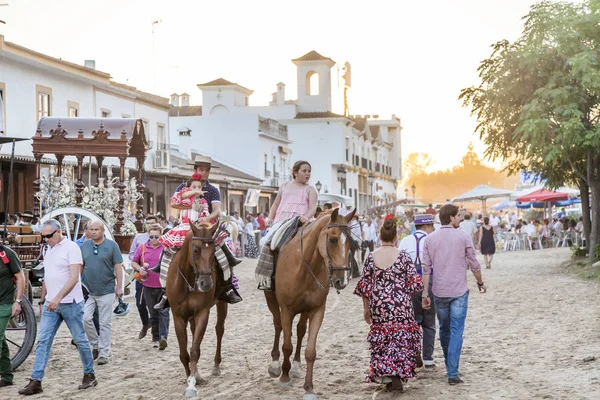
[{"x": 312, "y": 83}]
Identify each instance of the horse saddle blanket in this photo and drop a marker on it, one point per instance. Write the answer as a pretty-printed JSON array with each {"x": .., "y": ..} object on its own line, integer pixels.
[{"x": 285, "y": 233}]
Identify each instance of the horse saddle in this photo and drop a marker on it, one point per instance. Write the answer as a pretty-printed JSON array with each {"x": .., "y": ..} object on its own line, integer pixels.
[{"x": 285, "y": 233}]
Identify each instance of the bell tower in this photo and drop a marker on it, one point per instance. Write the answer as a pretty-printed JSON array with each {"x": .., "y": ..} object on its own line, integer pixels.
[{"x": 314, "y": 82}]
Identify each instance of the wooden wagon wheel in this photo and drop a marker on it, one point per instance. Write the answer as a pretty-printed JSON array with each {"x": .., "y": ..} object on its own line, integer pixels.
[{"x": 68, "y": 216}]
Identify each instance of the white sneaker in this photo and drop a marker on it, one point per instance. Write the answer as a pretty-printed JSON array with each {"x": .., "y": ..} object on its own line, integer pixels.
[{"x": 155, "y": 344}]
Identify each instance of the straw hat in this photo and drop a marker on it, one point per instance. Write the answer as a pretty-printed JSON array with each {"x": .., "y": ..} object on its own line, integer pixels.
[{"x": 202, "y": 160}]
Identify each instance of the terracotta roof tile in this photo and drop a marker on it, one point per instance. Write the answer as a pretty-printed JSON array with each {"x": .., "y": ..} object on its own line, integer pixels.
[
  {"x": 186, "y": 111},
  {"x": 312, "y": 56},
  {"x": 152, "y": 98},
  {"x": 360, "y": 123},
  {"x": 318, "y": 114},
  {"x": 374, "y": 131},
  {"x": 221, "y": 82}
]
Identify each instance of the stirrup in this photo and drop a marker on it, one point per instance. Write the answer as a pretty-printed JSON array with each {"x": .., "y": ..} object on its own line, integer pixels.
[{"x": 229, "y": 294}]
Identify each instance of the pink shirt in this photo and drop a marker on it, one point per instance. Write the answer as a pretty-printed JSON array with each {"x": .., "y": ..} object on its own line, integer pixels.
[
  {"x": 152, "y": 257},
  {"x": 294, "y": 202},
  {"x": 446, "y": 254},
  {"x": 57, "y": 270}
]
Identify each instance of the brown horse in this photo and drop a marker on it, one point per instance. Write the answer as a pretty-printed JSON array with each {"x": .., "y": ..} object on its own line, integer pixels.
[
  {"x": 192, "y": 287},
  {"x": 306, "y": 266}
]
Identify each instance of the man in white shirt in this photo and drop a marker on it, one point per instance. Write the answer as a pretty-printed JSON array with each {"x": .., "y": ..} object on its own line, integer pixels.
[
  {"x": 529, "y": 228},
  {"x": 513, "y": 220},
  {"x": 370, "y": 232},
  {"x": 413, "y": 245},
  {"x": 494, "y": 220},
  {"x": 558, "y": 226},
  {"x": 468, "y": 226},
  {"x": 64, "y": 302}
]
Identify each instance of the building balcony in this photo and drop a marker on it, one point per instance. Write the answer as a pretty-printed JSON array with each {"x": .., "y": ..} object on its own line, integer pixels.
[{"x": 272, "y": 127}]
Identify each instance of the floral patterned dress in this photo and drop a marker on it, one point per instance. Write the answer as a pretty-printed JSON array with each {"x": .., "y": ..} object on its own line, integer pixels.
[
  {"x": 395, "y": 336},
  {"x": 195, "y": 207}
]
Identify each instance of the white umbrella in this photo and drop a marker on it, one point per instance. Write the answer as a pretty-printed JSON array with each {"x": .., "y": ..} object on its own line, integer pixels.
[{"x": 482, "y": 193}]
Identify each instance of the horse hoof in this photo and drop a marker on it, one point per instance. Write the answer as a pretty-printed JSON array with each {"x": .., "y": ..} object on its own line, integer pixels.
[
  {"x": 275, "y": 369},
  {"x": 310, "y": 396},
  {"x": 286, "y": 384},
  {"x": 191, "y": 392},
  {"x": 295, "y": 371},
  {"x": 216, "y": 371}
]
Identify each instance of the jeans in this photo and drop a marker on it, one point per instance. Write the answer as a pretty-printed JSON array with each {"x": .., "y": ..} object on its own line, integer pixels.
[
  {"x": 104, "y": 305},
  {"x": 452, "y": 313},
  {"x": 5, "y": 366},
  {"x": 72, "y": 314},
  {"x": 425, "y": 318},
  {"x": 140, "y": 303},
  {"x": 159, "y": 319}
]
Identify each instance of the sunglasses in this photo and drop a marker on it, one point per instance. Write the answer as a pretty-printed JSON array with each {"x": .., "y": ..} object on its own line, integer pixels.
[
  {"x": 48, "y": 236},
  {"x": 95, "y": 249},
  {"x": 154, "y": 236}
]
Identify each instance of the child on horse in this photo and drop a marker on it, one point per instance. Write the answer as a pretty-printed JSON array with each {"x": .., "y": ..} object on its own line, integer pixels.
[
  {"x": 294, "y": 199},
  {"x": 194, "y": 206}
]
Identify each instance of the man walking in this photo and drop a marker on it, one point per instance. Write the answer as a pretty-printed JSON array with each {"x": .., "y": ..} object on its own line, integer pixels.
[
  {"x": 147, "y": 256},
  {"x": 62, "y": 269},
  {"x": 413, "y": 245},
  {"x": 140, "y": 302},
  {"x": 103, "y": 277},
  {"x": 446, "y": 252},
  {"x": 370, "y": 233},
  {"x": 12, "y": 282}
]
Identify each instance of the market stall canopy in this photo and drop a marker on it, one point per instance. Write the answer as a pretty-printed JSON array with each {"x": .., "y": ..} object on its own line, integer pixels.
[
  {"x": 482, "y": 193},
  {"x": 504, "y": 205},
  {"x": 107, "y": 137},
  {"x": 543, "y": 195},
  {"x": 335, "y": 198}
]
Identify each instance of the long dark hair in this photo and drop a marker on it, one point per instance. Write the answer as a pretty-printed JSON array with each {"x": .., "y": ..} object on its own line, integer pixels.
[{"x": 297, "y": 166}]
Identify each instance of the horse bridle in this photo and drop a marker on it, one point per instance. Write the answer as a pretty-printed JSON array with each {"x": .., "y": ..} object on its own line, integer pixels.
[
  {"x": 330, "y": 267},
  {"x": 206, "y": 241}
]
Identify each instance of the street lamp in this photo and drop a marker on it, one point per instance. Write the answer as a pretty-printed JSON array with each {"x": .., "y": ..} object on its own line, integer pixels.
[
  {"x": 341, "y": 175},
  {"x": 414, "y": 189},
  {"x": 406, "y": 193},
  {"x": 318, "y": 185}
]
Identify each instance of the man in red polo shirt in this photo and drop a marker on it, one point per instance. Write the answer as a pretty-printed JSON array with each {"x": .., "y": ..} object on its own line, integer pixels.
[{"x": 262, "y": 227}]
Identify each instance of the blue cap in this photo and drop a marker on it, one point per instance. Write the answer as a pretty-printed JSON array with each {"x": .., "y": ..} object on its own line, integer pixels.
[{"x": 423, "y": 219}]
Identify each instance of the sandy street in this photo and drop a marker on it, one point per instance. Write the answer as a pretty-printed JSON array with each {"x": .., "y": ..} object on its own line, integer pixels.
[{"x": 525, "y": 339}]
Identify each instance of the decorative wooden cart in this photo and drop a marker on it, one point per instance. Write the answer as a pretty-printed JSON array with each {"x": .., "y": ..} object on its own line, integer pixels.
[{"x": 81, "y": 138}]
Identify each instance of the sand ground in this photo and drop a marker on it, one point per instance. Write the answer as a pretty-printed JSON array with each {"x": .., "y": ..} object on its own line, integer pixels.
[{"x": 525, "y": 339}]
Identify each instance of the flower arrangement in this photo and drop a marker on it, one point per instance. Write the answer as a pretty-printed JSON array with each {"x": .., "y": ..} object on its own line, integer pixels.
[
  {"x": 128, "y": 229},
  {"x": 103, "y": 199}
]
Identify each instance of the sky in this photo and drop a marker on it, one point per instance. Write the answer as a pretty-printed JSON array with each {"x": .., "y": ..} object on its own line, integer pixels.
[{"x": 408, "y": 58}]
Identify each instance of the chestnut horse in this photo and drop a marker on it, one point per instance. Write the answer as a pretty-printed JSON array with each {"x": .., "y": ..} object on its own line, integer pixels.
[
  {"x": 192, "y": 287},
  {"x": 314, "y": 258}
]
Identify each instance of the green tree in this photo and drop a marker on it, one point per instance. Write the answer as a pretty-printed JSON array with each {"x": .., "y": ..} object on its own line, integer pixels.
[{"x": 538, "y": 103}]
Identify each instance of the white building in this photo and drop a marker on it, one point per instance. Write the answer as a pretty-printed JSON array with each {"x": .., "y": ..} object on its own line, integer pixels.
[
  {"x": 34, "y": 85},
  {"x": 356, "y": 156}
]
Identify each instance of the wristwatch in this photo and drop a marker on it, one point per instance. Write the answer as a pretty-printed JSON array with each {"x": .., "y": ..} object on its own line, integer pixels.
[
  {"x": 479, "y": 284},
  {"x": 18, "y": 300}
]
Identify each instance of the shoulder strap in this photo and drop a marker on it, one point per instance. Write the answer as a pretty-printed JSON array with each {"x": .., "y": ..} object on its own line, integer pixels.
[
  {"x": 418, "y": 238},
  {"x": 143, "y": 252}
]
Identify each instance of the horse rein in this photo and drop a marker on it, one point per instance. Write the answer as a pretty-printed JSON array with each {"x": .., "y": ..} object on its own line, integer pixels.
[
  {"x": 330, "y": 267},
  {"x": 206, "y": 241}
]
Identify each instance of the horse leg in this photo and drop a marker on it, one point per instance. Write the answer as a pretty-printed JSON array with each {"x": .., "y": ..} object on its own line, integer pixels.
[
  {"x": 275, "y": 366},
  {"x": 300, "y": 332},
  {"x": 316, "y": 319},
  {"x": 220, "y": 330},
  {"x": 287, "y": 318},
  {"x": 201, "y": 324},
  {"x": 181, "y": 332}
]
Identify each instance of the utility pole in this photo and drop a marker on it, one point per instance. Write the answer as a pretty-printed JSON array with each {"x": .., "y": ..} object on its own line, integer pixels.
[{"x": 154, "y": 53}]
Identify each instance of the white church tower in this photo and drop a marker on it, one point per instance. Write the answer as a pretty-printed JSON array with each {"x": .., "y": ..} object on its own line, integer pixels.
[{"x": 314, "y": 82}]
